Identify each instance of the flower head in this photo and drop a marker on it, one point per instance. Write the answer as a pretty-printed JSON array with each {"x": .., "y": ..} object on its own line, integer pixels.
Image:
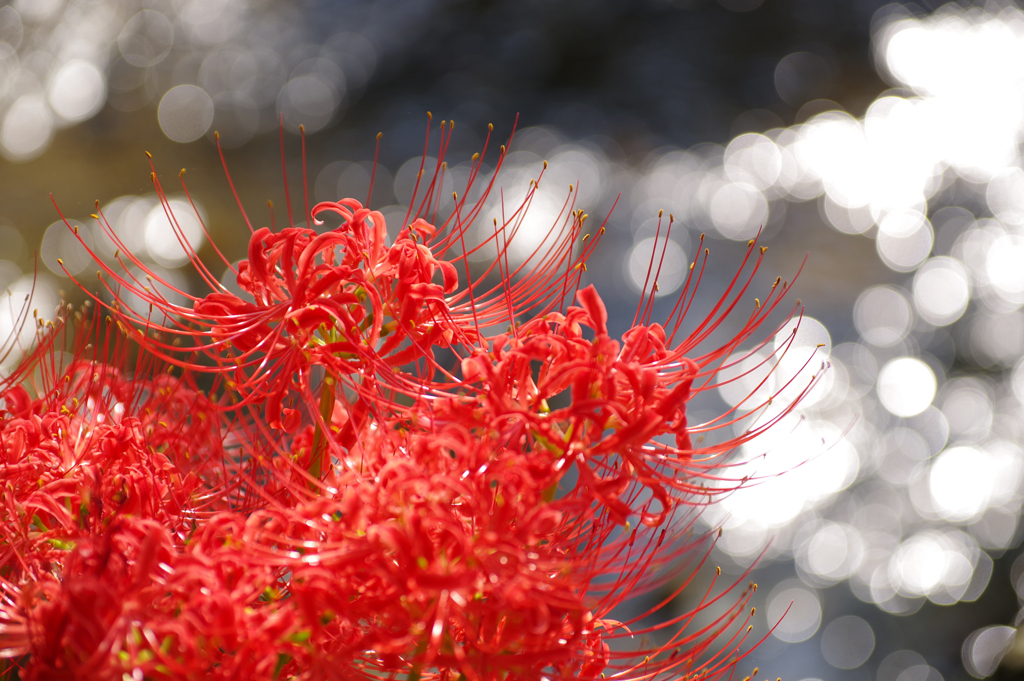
[{"x": 397, "y": 468}]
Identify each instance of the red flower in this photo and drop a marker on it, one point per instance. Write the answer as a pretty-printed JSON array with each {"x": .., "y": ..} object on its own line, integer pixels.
[{"x": 425, "y": 518}]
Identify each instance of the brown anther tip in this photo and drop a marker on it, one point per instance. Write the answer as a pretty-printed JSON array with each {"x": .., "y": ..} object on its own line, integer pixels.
[
  {"x": 584, "y": 267},
  {"x": 601, "y": 231},
  {"x": 719, "y": 531},
  {"x": 302, "y": 128},
  {"x": 707, "y": 251},
  {"x": 757, "y": 303},
  {"x": 94, "y": 216},
  {"x": 545, "y": 165},
  {"x": 718, "y": 571},
  {"x": 379, "y": 135},
  {"x": 750, "y": 243},
  {"x": 502, "y": 148},
  {"x": 152, "y": 176},
  {"x": 451, "y": 124},
  {"x": 455, "y": 195},
  {"x": 149, "y": 155},
  {"x": 490, "y": 127},
  {"x": 181, "y": 173},
  {"x": 430, "y": 116},
  {"x": 60, "y": 262},
  {"x": 752, "y": 611},
  {"x": 671, "y": 217},
  {"x": 97, "y": 204},
  {"x": 764, "y": 249},
  {"x": 661, "y": 211},
  {"x": 820, "y": 345},
  {"x": 270, "y": 204},
  {"x": 75, "y": 227},
  {"x": 570, "y": 189},
  {"x": 216, "y": 135},
  {"x": 444, "y": 165},
  {"x": 799, "y": 302},
  {"x": 475, "y": 156},
  {"x": 495, "y": 222}
]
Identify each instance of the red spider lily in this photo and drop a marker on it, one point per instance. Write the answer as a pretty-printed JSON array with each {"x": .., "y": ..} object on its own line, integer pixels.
[{"x": 348, "y": 503}]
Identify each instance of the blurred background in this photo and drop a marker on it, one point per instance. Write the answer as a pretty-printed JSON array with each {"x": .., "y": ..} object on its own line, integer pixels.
[{"x": 882, "y": 139}]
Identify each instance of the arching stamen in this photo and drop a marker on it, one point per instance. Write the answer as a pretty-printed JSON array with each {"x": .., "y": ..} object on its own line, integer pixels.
[
  {"x": 284, "y": 170},
  {"x": 373, "y": 173}
]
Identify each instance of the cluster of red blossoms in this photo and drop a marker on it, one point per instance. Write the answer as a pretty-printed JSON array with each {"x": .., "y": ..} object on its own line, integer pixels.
[{"x": 369, "y": 465}]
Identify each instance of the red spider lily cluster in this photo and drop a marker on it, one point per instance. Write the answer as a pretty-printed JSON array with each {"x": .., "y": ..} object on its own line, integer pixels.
[{"x": 371, "y": 464}]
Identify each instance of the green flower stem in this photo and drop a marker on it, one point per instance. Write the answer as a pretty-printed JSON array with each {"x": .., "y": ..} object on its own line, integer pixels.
[{"x": 319, "y": 436}]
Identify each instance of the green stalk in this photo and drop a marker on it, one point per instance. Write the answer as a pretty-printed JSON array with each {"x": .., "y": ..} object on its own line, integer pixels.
[{"x": 319, "y": 437}]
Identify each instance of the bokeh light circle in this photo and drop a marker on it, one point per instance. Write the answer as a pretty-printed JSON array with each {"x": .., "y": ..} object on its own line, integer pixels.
[
  {"x": 163, "y": 243},
  {"x": 738, "y": 211},
  {"x": 61, "y": 244},
  {"x": 942, "y": 290},
  {"x": 906, "y": 386},
  {"x": 146, "y": 38},
  {"x": 904, "y": 240},
  {"x": 78, "y": 90},
  {"x": 984, "y": 649},
  {"x": 27, "y": 128},
  {"x": 753, "y": 159},
  {"x": 795, "y": 612},
  {"x": 847, "y": 642},
  {"x": 185, "y": 113},
  {"x": 667, "y": 254},
  {"x": 882, "y": 315}
]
